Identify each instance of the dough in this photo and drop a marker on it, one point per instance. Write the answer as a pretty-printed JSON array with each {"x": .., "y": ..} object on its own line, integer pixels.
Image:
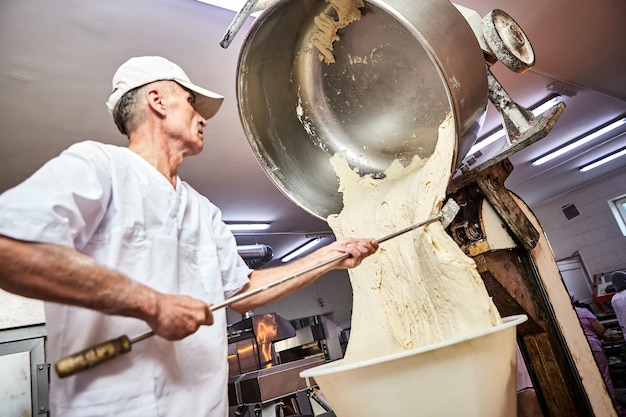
[
  {"x": 419, "y": 288},
  {"x": 326, "y": 27}
]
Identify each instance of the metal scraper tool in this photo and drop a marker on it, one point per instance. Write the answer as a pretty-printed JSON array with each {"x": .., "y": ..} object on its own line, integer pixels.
[
  {"x": 446, "y": 215},
  {"x": 108, "y": 350}
]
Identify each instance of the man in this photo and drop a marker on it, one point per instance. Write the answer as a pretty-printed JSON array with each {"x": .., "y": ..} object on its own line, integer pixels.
[
  {"x": 117, "y": 244},
  {"x": 618, "y": 301}
]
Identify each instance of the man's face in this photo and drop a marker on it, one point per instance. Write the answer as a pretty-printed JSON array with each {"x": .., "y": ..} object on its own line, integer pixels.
[{"x": 184, "y": 122}]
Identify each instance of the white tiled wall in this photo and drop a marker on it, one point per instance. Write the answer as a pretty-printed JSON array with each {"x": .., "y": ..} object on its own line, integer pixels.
[{"x": 595, "y": 233}]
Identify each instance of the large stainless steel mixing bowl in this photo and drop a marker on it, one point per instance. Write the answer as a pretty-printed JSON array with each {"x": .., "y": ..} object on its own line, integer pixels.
[{"x": 399, "y": 71}]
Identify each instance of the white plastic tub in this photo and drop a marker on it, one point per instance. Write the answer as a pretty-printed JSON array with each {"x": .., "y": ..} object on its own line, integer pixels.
[{"x": 473, "y": 376}]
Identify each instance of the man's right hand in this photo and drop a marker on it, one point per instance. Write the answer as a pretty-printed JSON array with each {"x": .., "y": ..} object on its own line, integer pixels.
[{"x": 178, "y": 316}]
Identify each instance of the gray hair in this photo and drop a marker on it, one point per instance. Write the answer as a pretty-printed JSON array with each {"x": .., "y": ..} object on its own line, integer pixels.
[{"x": 127, "y": 115}]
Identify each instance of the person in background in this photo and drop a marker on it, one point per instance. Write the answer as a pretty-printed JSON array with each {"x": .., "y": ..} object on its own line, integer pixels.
[
  {"x": 594, "y": 331},
  {"x": 618, "y": 301},
  {"x": 117, "y": 244},
  {"x": 527, "y": 401}
]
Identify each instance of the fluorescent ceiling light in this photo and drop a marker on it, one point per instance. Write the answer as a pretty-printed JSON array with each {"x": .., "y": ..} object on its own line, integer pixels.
[
  {"x": 301, "y": 249},
  {"x": 603, "y": 160},
  {"x": 543, "y": 106},
  {"x": 486, "y": 141},
  {"x": 234, "y": 5},
  {"x": 248, "y": 248},
  {"x": 547, "y": 105},
  {"x": 248, "y": 227},
  {"x": 579, "y": 142}
]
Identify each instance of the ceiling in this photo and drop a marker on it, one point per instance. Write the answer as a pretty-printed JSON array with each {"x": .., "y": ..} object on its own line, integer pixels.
[{"x": 58, "y": 57}]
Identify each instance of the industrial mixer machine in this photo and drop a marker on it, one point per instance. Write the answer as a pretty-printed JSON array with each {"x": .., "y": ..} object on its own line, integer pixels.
[{"x": 379, "y": 91}]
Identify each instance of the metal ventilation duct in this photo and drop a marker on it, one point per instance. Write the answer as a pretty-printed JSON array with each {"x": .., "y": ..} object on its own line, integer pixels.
[{"x": 255, "y": 256}]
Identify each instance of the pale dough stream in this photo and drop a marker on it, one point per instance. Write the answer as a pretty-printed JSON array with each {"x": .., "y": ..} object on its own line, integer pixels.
[{"x": 419, "y": 288}]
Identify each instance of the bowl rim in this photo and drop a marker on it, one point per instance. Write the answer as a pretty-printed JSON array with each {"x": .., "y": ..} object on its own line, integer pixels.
[{"x": 331, "y": 368}]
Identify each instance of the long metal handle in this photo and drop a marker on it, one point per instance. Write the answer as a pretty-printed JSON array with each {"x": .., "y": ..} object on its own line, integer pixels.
[
  {"x": 237, "y": 22},
  {"x": 104, "y": 352},
  {"x": 108, "y": 350},
  {"x": 409, "y": 228}
]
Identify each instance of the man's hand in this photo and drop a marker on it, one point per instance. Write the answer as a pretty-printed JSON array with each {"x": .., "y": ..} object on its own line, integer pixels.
[
  {"x": 358, "y": 249},
  {"x": 178, "y": 316}
]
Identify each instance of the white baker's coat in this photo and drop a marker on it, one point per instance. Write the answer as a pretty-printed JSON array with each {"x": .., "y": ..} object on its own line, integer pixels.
[
  {"x": 112, "y": 205},
  {"x": 618, "y": 302}
]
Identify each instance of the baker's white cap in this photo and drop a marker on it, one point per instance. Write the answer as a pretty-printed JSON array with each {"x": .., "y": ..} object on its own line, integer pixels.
[{"x": 140, "y": 71}]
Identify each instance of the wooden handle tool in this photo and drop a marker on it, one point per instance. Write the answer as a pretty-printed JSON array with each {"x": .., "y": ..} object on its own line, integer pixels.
[{"x": 111, "y": 349}]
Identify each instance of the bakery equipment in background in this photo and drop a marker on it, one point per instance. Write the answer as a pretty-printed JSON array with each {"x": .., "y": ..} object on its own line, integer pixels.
[
  {"x": 266, "y": 354},
  {"x": 602, "y": 291},
  {"x": 250, "y": 342},
  {"x": 308, "y": 341}
]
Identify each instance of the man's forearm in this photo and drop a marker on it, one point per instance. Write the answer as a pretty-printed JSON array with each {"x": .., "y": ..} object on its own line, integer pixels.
[
  {"x": 356, "y": 249},
  {"x": 263, "y": 277},
  {"x": 59, "y": 274}
]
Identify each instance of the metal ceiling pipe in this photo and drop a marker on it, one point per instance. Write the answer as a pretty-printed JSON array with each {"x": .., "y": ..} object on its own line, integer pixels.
[{"x": 255, "y": 255}]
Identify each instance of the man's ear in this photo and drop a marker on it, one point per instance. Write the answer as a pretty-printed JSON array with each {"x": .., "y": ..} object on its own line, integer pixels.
[{"x": 155, "y": 98}]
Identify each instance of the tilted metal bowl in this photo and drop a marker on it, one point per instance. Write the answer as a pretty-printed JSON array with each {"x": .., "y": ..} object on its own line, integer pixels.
[{"x": 398, "y": 72}]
